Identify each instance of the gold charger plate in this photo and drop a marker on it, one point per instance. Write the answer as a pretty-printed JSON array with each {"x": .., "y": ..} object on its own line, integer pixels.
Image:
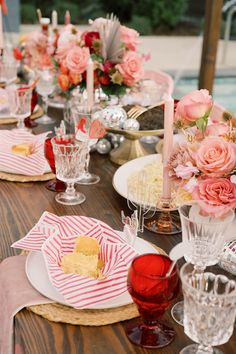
[
  {"x": 21, "y": 178},
  {"x": 61, "y": 313},
  {"x": 10, "y": 120}
]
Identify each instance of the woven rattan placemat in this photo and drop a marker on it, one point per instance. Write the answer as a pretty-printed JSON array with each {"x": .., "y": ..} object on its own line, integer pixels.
[
  {"x": 61, "y": 313},
  {"x": 21, "y": 178},
  {"x": 10, "y": 120}
]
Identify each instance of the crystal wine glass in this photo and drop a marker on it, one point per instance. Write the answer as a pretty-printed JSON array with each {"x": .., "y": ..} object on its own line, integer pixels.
[
  {"x": 45, "y": 87},
  {"x": 209, "y": 309},
  {"x": 205, "y": 236},
  {"x": 54, "y": 185},
  {"x": 69, "y": 160},
  {"x": 82, "y": 120},
  {"x": 19, "y": 97},
  {"x": 152, "y": 290}
]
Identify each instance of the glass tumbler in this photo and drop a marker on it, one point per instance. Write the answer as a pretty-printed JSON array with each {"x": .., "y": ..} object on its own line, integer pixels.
[
  {"x": 209, "y": 309},
  {"x": 69, "y": 157},
  {"x": 206, "y": 237}
]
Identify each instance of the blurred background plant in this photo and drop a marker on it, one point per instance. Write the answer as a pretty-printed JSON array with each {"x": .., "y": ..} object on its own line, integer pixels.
[{"x": 177, "y": 17}]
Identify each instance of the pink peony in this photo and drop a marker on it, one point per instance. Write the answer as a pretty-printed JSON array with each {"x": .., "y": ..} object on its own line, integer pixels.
[
  {"x": 186, "y": 172},
  {"x": 216, "y": 196},
  {"x": 77, "y": 59},
  {"x": 218, "y": 129},
  {"x": 217, "y": 113},
  {"x": 181, "y": 160},
  {"x": 131, "y": 68},
  {"x": 98, "y": 24},
  {"x": 193, "y": 106},
  {"x": 216, "y": 157},
  {"x": 129, "y": 37}
]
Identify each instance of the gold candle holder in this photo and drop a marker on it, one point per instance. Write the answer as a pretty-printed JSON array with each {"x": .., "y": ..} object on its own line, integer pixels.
[{"x": 163, "y": 222}]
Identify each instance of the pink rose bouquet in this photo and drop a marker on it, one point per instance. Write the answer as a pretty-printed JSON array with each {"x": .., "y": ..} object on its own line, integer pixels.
[
  {"x": 205, "y": 165},
  {"x": 117, "y": 64}
]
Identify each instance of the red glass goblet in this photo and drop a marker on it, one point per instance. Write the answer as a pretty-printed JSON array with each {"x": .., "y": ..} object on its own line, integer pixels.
[
  {"x": 152, "y": 290},
  {"x": 54, "y": 185}
]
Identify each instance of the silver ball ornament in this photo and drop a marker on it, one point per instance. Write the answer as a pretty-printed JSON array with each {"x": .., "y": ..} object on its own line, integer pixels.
[
  {"x": 131, "y": 124},
  {"x": 113, "y": 116},
  {"x": 103, "y": 146}
]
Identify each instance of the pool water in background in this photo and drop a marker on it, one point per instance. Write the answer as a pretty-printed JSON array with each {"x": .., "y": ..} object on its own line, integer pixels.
[{"x": 224, "y": 91}]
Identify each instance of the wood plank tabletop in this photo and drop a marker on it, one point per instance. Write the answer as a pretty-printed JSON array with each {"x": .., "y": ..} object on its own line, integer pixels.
[{"x": 22, "y": 204}]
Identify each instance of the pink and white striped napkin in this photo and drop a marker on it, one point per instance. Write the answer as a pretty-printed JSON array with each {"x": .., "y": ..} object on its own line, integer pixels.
[
  {"x": 55, "y": 236},
  {"x": 32, "y": 165}
]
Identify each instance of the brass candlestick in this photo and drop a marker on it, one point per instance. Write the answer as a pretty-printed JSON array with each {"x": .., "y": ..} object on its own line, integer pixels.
[{"x": 163, "y": 221}]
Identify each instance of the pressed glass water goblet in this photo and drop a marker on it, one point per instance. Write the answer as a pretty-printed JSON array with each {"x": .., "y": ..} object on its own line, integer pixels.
[
  {"x": 209, "y": 309},
  {"x": 54, "y": 185},
  {"x": 205, "y": 237},
  {"x": 82, "y": 120},
  {"x": 69, "y": 157},
  {"x": 152, "y": 290},
  {"x": 45, "y": 87},
  {"x": 19, "y": 97}
]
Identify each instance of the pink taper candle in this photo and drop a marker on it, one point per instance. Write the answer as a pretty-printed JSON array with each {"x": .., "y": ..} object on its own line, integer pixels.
[
  {"x": 90, "y": 83},
  {"x": 167, "y": 147},
  {"x": 67, "y": 17}
]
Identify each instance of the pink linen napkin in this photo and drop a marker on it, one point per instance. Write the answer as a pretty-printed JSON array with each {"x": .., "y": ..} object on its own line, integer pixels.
[
  {"x": 15, "y": 293},
  {"x": 32, "y": 165}
]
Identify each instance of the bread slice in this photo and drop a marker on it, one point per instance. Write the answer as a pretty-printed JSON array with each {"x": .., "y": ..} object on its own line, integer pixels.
[{"x": 22, "y": 149}]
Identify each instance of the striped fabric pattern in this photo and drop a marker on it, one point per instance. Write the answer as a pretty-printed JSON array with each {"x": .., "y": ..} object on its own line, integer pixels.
[
  {"x": 32, "y": 165},
  {"x": 55, "y": 235}
]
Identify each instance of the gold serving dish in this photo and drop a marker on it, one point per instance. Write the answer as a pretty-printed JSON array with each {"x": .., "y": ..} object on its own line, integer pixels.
[{"x": 132, "y": 148}]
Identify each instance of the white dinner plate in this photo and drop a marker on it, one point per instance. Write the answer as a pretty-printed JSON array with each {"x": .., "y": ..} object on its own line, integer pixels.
[
  {"x": 37, "y": 275},
  {"x": 122, "y": 174},
  {"x": 5, "y": 113}
]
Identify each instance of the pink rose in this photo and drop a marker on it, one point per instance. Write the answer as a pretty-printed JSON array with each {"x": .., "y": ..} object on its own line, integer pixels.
[
  {"x": 77, "y": 59},
  {"x": 216, "y": 196},
  {"x": 66, "y": 41},
  {"x": 130, "y": 37},
  {"x": 131, "y": 68},
  {"x": 193, "y": 106},
  {"x": 216, "y": 157}
]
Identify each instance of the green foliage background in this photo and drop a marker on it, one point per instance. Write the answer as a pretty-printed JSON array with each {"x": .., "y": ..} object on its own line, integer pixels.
[{"x": 144, "y": 15}]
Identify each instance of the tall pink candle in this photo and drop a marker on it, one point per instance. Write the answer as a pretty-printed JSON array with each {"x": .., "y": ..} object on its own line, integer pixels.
[
  {"x": 67, "y": 17},
  {"x": 90, "y": 83},
  {"x": 167, "y": 147}
]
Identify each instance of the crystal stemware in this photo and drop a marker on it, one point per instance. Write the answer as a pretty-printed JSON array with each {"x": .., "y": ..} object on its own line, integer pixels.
[
  {"x": 152, "y": 290},
  {"x": 205, "y": 236},
  {"x": 45, "y": 87},
  {"x": 54, "y": 185},
  {"x": 82, "y": 120},
  {"x": 69, "y": 160},
  {"x": 19, "y": 97},
  {"x": 209, "y": 309}
]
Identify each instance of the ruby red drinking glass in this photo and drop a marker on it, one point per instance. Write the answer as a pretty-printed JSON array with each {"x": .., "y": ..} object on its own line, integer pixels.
[
  {"x": 54, "y": 185},
  {"x": 152, "y": 290}
]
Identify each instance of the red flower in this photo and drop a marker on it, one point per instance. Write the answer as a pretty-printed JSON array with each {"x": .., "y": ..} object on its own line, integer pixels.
[
  {"x": 104, "y": 80},
  {"x": 90, "y": 37},
  {"x": 17, "y": 54},
  {"x": 64, "y": 82},
  {"x": 107, "y": 66}
]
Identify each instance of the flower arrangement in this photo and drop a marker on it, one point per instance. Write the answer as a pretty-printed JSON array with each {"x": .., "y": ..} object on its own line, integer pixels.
[
  {"x": 205, "y": 162},
  {"x": 113, "y": 49},
  {"x": 111, "y": 46}
]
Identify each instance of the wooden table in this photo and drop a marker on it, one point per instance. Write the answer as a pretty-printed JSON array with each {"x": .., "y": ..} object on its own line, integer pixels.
[{"x": 22, "y": 204}]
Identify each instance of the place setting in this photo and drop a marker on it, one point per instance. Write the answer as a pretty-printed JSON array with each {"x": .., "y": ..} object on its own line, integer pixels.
[{"x": 132, "y": 229}]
